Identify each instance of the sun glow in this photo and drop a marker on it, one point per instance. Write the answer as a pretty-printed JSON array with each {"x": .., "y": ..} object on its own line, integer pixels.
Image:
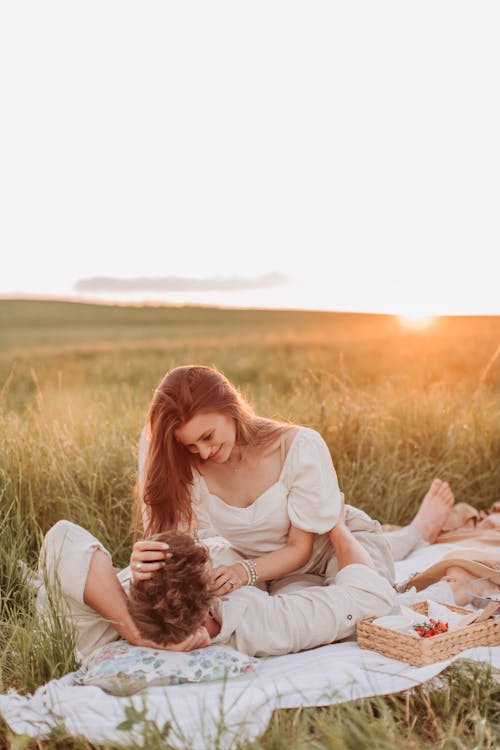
[{"x": 416, "y": 322}]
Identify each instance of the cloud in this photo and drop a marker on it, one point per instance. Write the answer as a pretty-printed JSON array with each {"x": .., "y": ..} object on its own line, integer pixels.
[{"x": 108, "y": 284}]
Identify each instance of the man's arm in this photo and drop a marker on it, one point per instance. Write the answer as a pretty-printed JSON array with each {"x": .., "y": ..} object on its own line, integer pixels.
[
  {"x": 347, "y": 547},
  {"x": 104, "y": 594}
]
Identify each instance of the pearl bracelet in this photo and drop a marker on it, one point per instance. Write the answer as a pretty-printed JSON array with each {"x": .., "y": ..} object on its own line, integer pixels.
[{"x": 251, "y": 571}]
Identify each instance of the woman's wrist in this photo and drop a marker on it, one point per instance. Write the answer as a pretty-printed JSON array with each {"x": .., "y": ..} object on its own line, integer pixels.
[
  {"x": 241, "y": 573},
  {"x": 249, "y": 572}
]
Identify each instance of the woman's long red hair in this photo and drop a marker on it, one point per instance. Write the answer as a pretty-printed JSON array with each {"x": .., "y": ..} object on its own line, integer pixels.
[{"x": 184, "y": 392}]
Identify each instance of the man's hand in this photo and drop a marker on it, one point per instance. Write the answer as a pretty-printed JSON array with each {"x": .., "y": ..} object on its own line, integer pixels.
[
  {"x": 199, "y": 639},
  {"x": 228, "y": 578}
]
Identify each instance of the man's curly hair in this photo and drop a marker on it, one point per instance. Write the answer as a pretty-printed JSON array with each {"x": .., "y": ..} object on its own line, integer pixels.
[{"x": 169, "y": 606}]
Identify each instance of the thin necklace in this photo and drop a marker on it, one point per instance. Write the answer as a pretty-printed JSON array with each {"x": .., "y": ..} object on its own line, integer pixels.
[{"x": 238, "y": 464}]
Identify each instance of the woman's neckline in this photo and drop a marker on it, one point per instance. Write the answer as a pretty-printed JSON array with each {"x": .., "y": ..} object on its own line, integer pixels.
[{"x": 262, "y": 494}]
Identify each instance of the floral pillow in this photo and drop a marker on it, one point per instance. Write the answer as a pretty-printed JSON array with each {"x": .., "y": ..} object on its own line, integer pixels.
[{"x": 123, "y": 669}]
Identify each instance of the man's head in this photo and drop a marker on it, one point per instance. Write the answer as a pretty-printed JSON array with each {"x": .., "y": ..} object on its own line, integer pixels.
[{"x": 169, "y": 606}]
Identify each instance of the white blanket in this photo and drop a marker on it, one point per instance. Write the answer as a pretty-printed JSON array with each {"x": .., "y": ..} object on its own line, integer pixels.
[{"x": 216, "y": 714}]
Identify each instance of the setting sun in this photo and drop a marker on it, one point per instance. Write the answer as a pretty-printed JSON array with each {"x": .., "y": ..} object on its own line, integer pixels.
[{"x": 416, "y": 322}]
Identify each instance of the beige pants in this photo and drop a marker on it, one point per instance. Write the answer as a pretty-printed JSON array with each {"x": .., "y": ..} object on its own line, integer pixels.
[
  {"x": 302, "y": 612},
  {"x": 403, "y": 541}
]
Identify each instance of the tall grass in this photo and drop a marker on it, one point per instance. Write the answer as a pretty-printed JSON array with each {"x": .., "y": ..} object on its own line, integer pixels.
[{"x": 395, "y": 407}]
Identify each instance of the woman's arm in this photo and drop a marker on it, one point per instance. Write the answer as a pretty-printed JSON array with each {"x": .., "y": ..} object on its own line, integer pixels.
[
  {"x": 296, "y": 552},
  {"x": 292, "y": 556}
]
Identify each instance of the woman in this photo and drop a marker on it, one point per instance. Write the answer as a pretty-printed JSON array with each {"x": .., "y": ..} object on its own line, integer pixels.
[
  {"x": 207, "y": 462},
  {"x": 203, "y": 434}
]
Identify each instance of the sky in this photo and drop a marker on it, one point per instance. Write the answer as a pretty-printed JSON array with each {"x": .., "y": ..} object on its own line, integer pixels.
[{"x": 325, "y": 155}]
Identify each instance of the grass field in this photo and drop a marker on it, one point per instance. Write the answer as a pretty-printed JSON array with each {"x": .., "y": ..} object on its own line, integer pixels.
[{"x": 396, "y": 407}]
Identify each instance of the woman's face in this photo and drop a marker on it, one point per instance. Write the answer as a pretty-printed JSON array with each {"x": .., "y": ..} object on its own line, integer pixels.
[{"x": 211, "y": 435}]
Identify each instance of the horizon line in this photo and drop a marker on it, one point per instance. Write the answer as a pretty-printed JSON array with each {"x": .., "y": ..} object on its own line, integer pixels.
[{"x": 6, "y": 297}]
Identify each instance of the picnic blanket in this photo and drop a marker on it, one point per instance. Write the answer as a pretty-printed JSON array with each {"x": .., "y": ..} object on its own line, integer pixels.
[{"x": 218, "y": 714}]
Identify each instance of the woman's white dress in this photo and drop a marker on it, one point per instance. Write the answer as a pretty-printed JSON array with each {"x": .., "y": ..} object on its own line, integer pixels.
[{"x": 306, "y": 495}]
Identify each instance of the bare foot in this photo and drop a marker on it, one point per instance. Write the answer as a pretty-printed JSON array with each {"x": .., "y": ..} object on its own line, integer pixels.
[
  {"x": 460, "y": 580},
  {"x": 434, "y": 510}
]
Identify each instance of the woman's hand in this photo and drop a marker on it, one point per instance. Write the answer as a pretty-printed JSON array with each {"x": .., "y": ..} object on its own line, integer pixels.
[
  {"x": 228, "y": 578},
  {"x": 148, "y": 556}
]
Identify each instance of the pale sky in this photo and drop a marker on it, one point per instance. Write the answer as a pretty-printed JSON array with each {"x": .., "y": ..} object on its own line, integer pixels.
[{"x": 349, "y": 151}]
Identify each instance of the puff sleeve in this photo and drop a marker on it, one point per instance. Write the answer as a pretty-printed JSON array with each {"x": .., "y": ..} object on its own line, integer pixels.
[{"x": 314, "y": 497}]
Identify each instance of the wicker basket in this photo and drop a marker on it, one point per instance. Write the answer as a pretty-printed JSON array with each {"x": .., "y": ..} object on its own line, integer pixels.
[{"x": 422, "y": 651}]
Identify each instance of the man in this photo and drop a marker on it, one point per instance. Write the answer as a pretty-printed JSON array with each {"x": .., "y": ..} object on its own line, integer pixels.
[{"x": 82, "y": 584}]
